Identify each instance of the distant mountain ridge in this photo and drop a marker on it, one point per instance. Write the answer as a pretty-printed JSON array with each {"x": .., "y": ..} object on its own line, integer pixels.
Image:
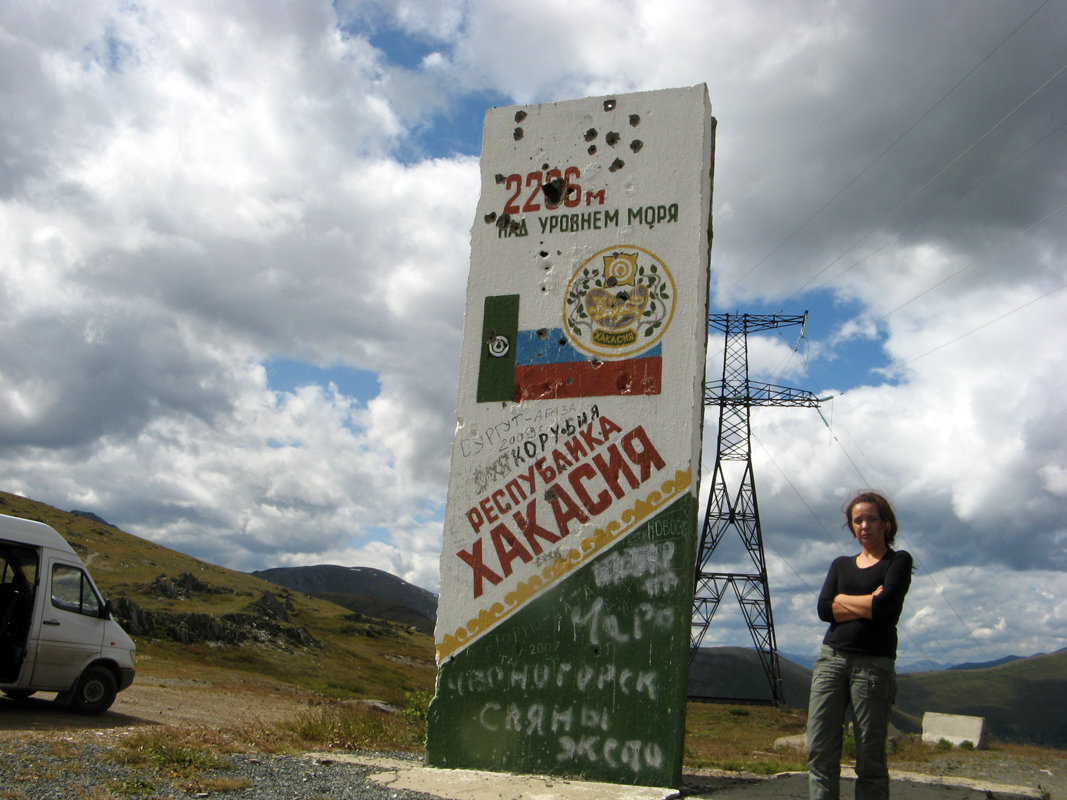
[
  {"x": 735, "y": 673},
  {"x": 923, "y": 665},
  {"x": 1021, "y": 699},
  {"x": 364, "y": 590}
]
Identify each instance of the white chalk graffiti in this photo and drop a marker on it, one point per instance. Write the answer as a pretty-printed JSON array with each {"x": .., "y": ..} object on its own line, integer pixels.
[
  {"x": 583, "y": 721},
  {"x": 596, "y": 623},
  {"x": 549, "y": 675},
  {"x": 653, "y": 562},
  {"x": 635, "y": 754}
]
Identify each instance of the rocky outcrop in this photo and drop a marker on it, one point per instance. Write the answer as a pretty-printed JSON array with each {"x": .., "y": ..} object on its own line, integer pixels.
[
  {"x": 185, "y": 585},
  {"x": 264, "y": 621}
]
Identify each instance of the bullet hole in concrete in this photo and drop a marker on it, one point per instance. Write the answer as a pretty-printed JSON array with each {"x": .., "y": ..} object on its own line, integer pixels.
[
  {"x": 542, "y": 333},
  {"x": 616, "y": 165},
  {"x": 490, "y": 217},
  {"x": 544, "y": 167},
  {"x": 562, "y": 342},
  {"x": 550, "y": 495},
  {"x": 636, "y": 145},
  {"x": 517, "y": 134},
  {"x": 635, "y": 120},
  {"x": 515, "y": 227},
  {"x": 543, "y": 254},
  {"x": 612, "y": 138},
  {"x": 520, "y": 115},
  {"x": 499, "y": 178},
  {"x": 504, "y": 221},
  {"x": 553, "y": 192},
  {"x": 595, "y": 362},
  {"x": 612, "y": 281},
  {"x": 592, "y": 149},
  {"x": 609, "y": 105},
  {"x": 590, "y": 134}
]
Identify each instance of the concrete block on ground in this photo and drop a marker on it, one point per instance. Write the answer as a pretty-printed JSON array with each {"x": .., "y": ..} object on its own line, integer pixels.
[
  {"x": 796, "y": 742},
  {"x": 953, "y": 728}
]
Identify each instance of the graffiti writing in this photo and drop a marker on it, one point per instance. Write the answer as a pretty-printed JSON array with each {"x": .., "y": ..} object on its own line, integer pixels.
[
  {"x": 556, "y": 675},
  {"x": 650, "y": 563},
  {"x": 598, "y": 625}
]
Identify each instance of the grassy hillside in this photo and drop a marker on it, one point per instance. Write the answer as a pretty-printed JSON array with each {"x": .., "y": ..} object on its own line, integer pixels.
[
  {"x": 1022, "y": 701},
  {"x": 345, "y": 656}
]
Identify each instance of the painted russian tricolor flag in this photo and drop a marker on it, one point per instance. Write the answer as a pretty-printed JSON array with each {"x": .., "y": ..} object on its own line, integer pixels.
[{"x": 544, "y": 365}]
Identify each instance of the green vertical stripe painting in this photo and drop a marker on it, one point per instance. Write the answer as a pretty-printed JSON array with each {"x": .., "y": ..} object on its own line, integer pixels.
[{"x": 496, "y": 367}]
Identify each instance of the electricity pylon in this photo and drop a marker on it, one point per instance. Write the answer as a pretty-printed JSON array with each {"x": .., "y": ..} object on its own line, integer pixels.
[{"x": 735, "y": 507}]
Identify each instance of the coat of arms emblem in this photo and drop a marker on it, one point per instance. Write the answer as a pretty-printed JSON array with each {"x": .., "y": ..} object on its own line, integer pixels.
[{"x": 619, "y": 302}]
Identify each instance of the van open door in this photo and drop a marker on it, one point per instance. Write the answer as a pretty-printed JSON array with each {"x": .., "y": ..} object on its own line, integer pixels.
[{"x": 18, "y": 577}]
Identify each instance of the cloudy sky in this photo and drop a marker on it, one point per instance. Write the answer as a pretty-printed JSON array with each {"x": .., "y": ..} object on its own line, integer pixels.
[{"x": 234, "y": 240}]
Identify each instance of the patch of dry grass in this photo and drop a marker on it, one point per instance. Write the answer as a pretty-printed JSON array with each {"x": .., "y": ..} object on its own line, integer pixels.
[
  {"x": 357, "y": 726},
  {"x": 741, "y": 738}
]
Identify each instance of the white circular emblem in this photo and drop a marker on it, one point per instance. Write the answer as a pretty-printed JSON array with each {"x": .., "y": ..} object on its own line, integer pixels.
[
  {"x": 499, "y": 346},
  {"x": 619, "y": 302}
]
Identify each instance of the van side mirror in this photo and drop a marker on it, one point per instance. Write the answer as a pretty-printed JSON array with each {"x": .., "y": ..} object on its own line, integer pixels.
[{"x": 105, "y": 610}]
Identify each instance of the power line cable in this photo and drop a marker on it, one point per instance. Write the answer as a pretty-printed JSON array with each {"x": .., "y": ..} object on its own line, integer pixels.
[
  {"x": 928, "y": 183},
  {"x": 955, "y": 199},
  {"x": 893, "y": 144},
  {"x": 1059, "y": 288},
  {"x": 1017, "y": 235}
]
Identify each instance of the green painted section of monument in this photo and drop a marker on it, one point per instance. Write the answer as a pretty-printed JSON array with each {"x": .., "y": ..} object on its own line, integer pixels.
[
  {"x": 584, "y": 680},
  {"x": 500, "y": 326}
]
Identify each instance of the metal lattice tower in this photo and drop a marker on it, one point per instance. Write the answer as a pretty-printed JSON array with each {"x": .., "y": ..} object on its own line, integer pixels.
[{"x": 735, "y": 507}]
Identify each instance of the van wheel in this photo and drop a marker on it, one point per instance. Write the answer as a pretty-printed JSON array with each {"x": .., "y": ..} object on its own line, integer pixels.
[
  {"x": 95, "y": 691},
  {"x": 18, "y": 694}
]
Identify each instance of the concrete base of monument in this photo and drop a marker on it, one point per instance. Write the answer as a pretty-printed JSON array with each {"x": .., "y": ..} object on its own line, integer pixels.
[{"x": 465, "y": 784}]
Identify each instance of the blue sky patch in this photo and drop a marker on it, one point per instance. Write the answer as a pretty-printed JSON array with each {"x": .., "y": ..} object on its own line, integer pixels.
[{"x": 287, "y": 375}]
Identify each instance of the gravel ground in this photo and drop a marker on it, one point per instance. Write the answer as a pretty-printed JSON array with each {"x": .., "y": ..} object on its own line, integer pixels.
[{"x": 42, "y": 769}]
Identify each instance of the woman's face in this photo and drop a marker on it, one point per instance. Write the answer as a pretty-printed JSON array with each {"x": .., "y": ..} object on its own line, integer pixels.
[{"x": 868, "y": 526}]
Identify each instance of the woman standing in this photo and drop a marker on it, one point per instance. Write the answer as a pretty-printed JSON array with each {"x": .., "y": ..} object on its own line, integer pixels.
[{"x": 861, "y": 598}]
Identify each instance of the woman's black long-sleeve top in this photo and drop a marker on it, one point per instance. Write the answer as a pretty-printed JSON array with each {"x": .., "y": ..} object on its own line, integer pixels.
[{"x": 876, "y": 636}]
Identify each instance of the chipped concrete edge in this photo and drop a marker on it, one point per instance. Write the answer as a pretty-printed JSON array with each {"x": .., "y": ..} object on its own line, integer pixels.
[
  {"x": 467, "y": 784},
  {"x": 461, "y": 784}
]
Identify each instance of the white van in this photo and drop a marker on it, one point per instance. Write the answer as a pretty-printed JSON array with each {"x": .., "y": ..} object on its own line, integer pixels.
[{"x": 56, "y": 632}]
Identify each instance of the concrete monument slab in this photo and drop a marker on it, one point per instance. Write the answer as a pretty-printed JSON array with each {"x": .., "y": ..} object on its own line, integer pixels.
[{"x": 570, "y": 530}]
